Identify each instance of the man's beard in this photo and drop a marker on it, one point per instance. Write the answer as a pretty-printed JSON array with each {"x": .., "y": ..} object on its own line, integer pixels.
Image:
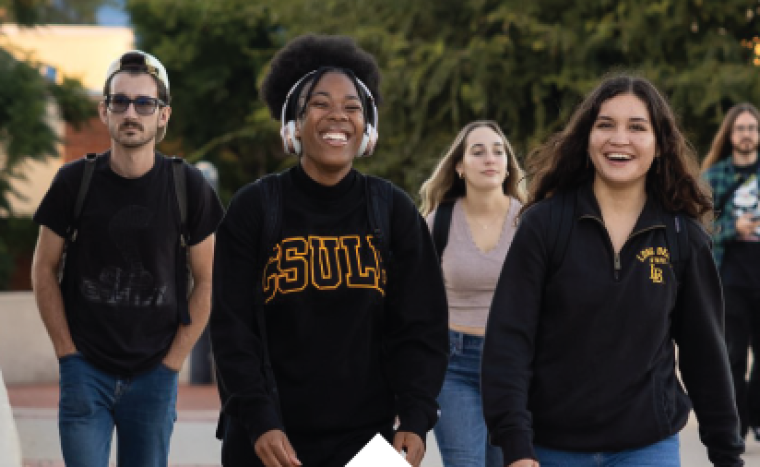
[{"x": 745, "y": 148}]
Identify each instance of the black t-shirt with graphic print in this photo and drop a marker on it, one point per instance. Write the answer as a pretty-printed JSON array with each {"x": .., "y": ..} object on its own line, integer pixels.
[
  {"x": 742, "y": 256},
  {"x": 119, "y": 284}
]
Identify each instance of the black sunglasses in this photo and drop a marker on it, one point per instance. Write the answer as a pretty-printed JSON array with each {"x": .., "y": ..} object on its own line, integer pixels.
[{"x": 144, "y": 105}]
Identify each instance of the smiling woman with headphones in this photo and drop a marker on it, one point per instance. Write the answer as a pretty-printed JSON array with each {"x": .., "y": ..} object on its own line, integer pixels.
[{"x": 329, "y": 317}]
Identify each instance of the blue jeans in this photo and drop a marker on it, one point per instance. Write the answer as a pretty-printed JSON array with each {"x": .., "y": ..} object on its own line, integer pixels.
[
  {"x": 93, "y": 403},
  {"x": 662, "y": 454},
  {"x": 461, "y": 431}
]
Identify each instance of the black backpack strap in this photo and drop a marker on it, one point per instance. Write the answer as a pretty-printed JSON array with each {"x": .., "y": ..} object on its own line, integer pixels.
[
  {"x": 562, "y": 219},
  {"x": 73, "y": 228},
  {"x": 441, "y": 227},
  {"x": 84, "y": 187},
  {"x": 271, "y": 208},
  {"x": 379, "y": 194},
  {"x": 180, "y": 189},
  {"x": 183, "y": 276},
  {"x": 677, "y": 236}
]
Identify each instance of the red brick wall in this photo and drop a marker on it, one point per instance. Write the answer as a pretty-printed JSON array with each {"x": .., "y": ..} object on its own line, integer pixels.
[
  {"x": 91, "y": 137},
  {"x": 21, "y": 279}
]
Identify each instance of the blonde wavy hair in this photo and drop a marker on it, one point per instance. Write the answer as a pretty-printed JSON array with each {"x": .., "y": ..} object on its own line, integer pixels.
[{"x": 445, "y": 185}]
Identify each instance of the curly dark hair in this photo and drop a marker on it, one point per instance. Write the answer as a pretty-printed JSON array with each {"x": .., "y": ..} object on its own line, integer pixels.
[
  {"x": 311, "y": 52},
  {"x": 561, "y": 163}
]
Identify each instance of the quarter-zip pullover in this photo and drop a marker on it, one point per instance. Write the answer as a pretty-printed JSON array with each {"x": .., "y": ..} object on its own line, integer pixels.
[{"x": 583, "y": 358}]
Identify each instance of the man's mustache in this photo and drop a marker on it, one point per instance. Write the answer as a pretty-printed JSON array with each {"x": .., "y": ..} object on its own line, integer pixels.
[{"x": 128, "y": 125}]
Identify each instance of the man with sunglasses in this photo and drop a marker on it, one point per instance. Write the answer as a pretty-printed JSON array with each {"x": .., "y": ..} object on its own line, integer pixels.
[{"x": 119, "y": 317}]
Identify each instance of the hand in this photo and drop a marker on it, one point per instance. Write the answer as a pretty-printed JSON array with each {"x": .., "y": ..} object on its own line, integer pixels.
[
  {"x": 274, "y": 450},
  {"x": 524, "y": 463},
  {"x": 746, "y": 225},
  {"x": 413, "y": 446},
  {"x": 172, "y": 364}
]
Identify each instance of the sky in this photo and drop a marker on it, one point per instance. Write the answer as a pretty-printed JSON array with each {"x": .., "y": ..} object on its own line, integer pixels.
[{"x": 113, "y": 16}]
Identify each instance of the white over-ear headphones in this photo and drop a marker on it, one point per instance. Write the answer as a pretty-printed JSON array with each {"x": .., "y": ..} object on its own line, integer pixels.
[{"x": 292, "y": 145}]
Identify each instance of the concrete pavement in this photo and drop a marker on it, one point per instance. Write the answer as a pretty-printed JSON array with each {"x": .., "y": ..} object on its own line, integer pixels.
[{"x": 194, "y": 444}]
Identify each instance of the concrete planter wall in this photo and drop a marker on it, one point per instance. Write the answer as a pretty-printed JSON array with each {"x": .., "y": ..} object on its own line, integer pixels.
[{"x": 26, "y": 354}]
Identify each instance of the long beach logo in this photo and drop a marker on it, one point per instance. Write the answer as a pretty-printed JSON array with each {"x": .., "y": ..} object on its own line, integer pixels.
[{"x": 657, "y": 258}]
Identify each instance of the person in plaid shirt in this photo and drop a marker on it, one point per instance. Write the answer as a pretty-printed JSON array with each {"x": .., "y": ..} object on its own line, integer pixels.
[{"x": 731, "y": 168}]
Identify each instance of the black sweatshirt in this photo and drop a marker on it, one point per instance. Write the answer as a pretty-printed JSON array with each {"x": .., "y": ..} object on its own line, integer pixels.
[
  {"x": 348, "y": 350},
  {"x": 583, "y": 358}
]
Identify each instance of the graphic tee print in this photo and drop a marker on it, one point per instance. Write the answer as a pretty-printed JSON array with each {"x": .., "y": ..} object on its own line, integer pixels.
[
  {"x": 746, "y": 201},
  {"x": 132, "y": 286}
]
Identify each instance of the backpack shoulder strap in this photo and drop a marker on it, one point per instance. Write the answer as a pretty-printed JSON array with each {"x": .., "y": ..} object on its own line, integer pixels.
[
  {"x": 184, "y": 278},
  {"x": 84, "y": 187},
  {"x": 562, "y": 219},
  {"x": 441, "y": 226},
  {"x": 180, "y": 189},
  {"x": 380, "y": 208},
  {"x": 677, "y": 236},
  {"x": 271, "y": 208}
]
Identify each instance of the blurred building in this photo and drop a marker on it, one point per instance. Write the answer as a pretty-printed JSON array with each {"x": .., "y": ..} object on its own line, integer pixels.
[{"x": 81, "y": 52}]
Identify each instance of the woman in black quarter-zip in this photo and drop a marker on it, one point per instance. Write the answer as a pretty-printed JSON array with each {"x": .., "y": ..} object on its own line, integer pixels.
[{"x": 579, "y": 366}]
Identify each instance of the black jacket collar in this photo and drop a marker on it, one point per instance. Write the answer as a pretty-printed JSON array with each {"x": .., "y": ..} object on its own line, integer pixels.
[{"x": 587, "y": 207}]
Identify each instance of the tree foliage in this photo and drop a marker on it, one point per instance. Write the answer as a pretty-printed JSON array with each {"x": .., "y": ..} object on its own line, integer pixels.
[
  {"x": 25, "y": 97},
  {"x": 214, "y": 53},
  {"x": 25, "y": 127},
  {"x": 31, "y": 12},
  {"x": 524, "y": 64}
]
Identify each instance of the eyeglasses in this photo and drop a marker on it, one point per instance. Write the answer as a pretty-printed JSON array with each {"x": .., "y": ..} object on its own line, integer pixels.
[
  {"x": 743, "y": 128},
  {"x": 144, "y": 105}
]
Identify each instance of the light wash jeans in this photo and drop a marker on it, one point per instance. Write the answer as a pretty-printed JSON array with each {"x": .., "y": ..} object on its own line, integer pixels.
[
  {"x": 461, "y": 431},
  {"x": 666, "y": 453},
  {"x": 93, "y": 403}
]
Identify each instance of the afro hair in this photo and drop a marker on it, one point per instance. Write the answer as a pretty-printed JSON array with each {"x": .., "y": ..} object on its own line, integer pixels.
[{"x": 311, "y": 52}]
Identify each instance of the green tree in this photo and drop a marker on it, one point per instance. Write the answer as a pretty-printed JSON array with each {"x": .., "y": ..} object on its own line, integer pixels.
[
  {"x": 53, "y": 11},
  {"x": 526, "y": 65},
  {"x": 214, "y": 53},
  {"x": 523, "y": 64},
  {"x": 25, "y": 131}
]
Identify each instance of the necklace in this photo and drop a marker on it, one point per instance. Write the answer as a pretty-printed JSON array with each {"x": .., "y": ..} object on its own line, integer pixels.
[
  {"x": 486, "y": 226},
  {"x": 497, "y": 219}
]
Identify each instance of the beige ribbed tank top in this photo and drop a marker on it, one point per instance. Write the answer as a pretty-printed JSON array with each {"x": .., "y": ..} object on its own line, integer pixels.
[{"x": 469, "y": 273}]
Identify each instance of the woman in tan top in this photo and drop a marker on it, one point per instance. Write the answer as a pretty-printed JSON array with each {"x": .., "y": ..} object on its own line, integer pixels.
[{"x": 480, "y": 176}]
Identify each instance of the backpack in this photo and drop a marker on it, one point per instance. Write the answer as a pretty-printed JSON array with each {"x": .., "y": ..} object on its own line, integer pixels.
[
  {"x": 379, "y": 196},
  {"x": 562, "y": 219},
  {"x": 441, "y": 227},
  {"x": 184, "y": 278}
]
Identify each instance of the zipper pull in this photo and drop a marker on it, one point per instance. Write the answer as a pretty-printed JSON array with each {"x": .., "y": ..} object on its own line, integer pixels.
[{"x": 617, "y": 266}]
